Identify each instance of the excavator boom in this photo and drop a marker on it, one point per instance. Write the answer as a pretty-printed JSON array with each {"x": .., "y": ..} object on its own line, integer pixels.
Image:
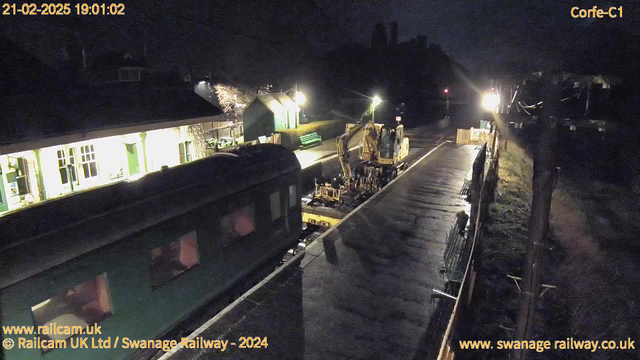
[{"x": 342, "y": 145}]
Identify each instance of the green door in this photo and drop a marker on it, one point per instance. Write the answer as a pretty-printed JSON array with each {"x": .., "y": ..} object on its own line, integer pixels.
[
  {"x": 3, "y": 197},
  {"x": 132, "y": 159}
]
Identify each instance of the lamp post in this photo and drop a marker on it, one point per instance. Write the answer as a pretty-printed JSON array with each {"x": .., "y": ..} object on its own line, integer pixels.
[
  {"x": 446, "y": 93},
  {"x": 375, "y": 102}
]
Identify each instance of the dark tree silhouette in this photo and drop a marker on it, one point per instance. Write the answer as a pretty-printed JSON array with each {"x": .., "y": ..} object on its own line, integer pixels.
[
  {"x": 406, "y": 75},
  {"x": 379, "y": 37},
  {"x": 393, "y": 40}
]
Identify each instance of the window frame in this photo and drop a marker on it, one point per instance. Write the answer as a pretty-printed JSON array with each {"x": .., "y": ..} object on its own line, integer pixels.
[
  {"x": 229, "y": 243},
  {"x": 23, "y": 176},
  {"x": 66, "y": 165},
  {"x": 279, "y": 199},
  {"x": 88, "y": 157},
  {"x": 103, "y": 277},
  {"x": 168, "y": 244},
  {"x": 184, "y": 152},
  {"x": 293, "y": 206},
  {"x": 129, "y": 74}
]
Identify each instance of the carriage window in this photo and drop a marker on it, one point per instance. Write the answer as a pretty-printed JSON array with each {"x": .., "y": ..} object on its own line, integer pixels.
[
  {"x": 237, "y": 225},
  {"x": 75, "y": 309},
  {"x": 172, "y": 259},
  {"x": 293, "y": 198},
  {"x": 276, "y": 213}
]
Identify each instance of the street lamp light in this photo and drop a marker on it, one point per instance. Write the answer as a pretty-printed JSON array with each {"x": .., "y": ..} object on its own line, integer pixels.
[
  {"x": 490, "y": 101},
  {"x": 376, "y": 101},
  {"x": 300, "y": 98},
  {"x": 446, "y": 92}
]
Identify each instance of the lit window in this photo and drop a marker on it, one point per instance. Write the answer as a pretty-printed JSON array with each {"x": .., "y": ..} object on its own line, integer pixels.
[
  {"x": 88, "y": 161},
  {"x": 185, "y": 152},
  {"x": 237, "y": 225},
  {"x": 65, "y": 167},
  {"x": 77, "y": 308},
  {"x": 72, "y": 162},
  {"x": 22, "y": 176},
  {"x": 172, "y": 259},
  {"x": 276, "y": 213},
  {"x": 62, "y": 165},
  {"x": 293, "y": 198}
]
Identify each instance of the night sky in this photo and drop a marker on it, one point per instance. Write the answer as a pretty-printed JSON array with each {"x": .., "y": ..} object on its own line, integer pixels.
[{"x": 244, "y": 39}]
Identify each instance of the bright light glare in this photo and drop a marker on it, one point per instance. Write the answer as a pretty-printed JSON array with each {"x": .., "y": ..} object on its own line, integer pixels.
[
  {"x": 300, "y": 98},
  {"x": 490, "y": 102},
  {"x": 376, "y": 101}
]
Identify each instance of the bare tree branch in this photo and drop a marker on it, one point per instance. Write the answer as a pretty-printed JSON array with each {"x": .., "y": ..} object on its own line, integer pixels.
[{"x": 233, "y": 99}]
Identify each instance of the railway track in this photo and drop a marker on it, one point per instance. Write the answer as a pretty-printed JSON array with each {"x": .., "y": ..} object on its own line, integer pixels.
[{"x": 422, "y": 141}]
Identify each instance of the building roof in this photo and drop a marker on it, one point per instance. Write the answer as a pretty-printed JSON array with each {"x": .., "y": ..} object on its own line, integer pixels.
[
  {"x": 277, "y": 102},
  {"x": 116, "y": 60},
  {"x": 27, "y": 117},
  {"x": 18, "y": 69},
  {"x": 40, "y": 103},
  {"x": 285, "y": 100}
]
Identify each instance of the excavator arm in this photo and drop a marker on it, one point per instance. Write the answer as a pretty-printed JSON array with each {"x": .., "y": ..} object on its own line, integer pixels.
[
  {"x": 342, "y": 145},
  {"x": 370, "y": 142}
]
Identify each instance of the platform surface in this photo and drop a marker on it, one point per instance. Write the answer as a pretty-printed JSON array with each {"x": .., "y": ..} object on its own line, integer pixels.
[
  {"x": 363, "y": 290},
  {"x": 327, "y": 151}
]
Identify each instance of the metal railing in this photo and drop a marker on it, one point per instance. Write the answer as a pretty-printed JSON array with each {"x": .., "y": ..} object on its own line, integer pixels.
[
  {"x": 464, "y": 265},
  {"x": 455, "y": 255}
]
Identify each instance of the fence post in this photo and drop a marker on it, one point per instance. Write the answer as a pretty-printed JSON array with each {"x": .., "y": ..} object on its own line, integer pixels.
[
  {"x": 506, "y": 137},
  {"x": 543, "y": 177},
  {"x": 477, "y": 179},
  {"x": 492, "y": 177}
]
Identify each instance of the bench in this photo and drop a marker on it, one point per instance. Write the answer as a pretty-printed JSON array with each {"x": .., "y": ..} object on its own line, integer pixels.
[{"x": 309, "y": 140}]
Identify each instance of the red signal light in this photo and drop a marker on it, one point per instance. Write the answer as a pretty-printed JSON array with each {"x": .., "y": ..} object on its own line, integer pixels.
[{"x": 446, "y": 90}]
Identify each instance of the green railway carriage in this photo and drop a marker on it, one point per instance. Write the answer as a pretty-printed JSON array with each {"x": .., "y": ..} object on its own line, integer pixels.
[{"x": 139, "y": 257}]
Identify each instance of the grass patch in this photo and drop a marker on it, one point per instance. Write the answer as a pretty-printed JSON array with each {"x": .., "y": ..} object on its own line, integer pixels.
[
  {"x": 504, "y": 244},
  {"x": 592, "y": 256}
]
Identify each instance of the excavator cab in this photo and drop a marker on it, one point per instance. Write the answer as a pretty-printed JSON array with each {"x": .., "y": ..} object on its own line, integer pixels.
[
  {"x": 393, "y": 145},
  {"x": 387, "y": 143}
]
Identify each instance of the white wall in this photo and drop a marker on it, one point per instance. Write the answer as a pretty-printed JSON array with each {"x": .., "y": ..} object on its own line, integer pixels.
[{"x": 160, "y": 146}]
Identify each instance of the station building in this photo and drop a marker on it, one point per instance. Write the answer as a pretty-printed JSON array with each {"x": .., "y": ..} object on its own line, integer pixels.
[
  {"x": 269, "y": 113},
  {"x": 106, "y": 143},
  {"x": 92, "y": 121}
]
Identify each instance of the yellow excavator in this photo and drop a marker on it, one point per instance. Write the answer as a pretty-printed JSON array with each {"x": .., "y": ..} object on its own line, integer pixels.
[
  {"x": 337, "y": 189},
  {"x": 384, "y": 149}
]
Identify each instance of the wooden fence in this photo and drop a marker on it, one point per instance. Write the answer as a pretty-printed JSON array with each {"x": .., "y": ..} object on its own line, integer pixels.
[
  {"x": 473, "y": 136},
  {"x": 483, "y": 183}
]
